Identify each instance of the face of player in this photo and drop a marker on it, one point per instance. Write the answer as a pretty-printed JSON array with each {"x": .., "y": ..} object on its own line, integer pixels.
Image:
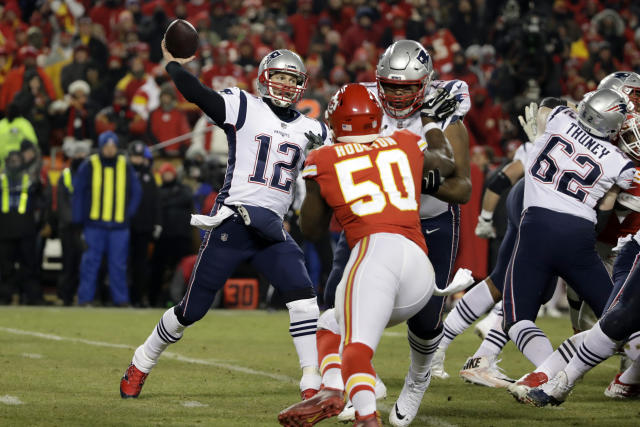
[
  {"x": 400, "y": 96},
  {"x": 283, "y": 82}
]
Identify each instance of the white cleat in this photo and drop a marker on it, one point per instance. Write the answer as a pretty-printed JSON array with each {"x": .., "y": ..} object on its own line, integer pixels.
[
  {"x": 520, "y": 388},
  {"x": 553, "y": 392},
  {"x": 406, "y": 407},
  {"x": 437, "y": 364},
  {"x": 485, "y": 371},
  {"x": 484, "y": 326},
  {"x": 349, "y": 412}
]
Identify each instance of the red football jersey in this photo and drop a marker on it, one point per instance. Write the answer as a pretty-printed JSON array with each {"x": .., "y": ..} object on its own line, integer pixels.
[{"x": 373, "y": 187}]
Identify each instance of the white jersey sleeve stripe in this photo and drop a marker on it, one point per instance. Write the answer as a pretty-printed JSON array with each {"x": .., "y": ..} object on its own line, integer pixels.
[{"x": 310, "y": 171}]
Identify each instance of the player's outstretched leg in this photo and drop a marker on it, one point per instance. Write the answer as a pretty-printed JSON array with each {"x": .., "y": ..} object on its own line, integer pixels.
[
  {"x": 168, "y": 331},
  {"x": 625, "y": 385}
]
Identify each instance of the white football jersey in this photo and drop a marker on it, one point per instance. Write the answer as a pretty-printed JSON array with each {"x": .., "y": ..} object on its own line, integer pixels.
[
  {"x": 569, "y": 170},
  {"x": 265, "y": 153},
  {"x": 429, "y": 205}
]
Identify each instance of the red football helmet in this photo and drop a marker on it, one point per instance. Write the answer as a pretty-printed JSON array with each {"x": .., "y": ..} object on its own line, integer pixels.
[
  {"x": 629, "y": 136},
  {"x": 354, "y": 114}
]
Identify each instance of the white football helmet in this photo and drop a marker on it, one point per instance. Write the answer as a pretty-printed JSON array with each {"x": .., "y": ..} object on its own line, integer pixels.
[
  {"x": 626, "y": 82},
  {"x": 406, "y": 62},
  {"x": 282, "y": 61},
  {"x": 602, "y": 112},
  {"x": 629, "y": 138}
]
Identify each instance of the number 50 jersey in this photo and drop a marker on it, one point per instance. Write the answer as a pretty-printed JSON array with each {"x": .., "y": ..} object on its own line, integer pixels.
[
  {"x": 372, "y": 188},
  {"x": 568, "y": 170}
]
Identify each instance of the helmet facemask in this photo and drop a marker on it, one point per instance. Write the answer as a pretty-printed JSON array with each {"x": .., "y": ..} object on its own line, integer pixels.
[
  {"x": 281, "y": 94},
  {"x": 404, "y": 105},
  {"x": 629, "y": 137}
]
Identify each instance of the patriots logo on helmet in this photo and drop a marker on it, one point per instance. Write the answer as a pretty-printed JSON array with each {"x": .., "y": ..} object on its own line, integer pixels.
[
  {"x": 423, "y": 57},
  {"x": 618, "y": 108},
  {"x": 273, "y": 55}
]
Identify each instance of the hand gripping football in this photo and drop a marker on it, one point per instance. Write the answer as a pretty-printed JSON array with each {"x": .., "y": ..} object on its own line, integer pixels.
[{"x": 181, "y": 39}]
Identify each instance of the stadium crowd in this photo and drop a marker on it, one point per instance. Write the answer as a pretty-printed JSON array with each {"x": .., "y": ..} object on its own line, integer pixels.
[{"x": 79, "y": 77}]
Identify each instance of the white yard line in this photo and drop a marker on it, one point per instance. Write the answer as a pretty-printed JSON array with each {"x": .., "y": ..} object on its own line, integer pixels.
[
  {"x": 10, "y": 400},
  {"x": 431, "y": 421}
]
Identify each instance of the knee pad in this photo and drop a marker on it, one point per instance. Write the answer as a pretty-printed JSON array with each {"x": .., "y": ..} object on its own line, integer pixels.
[{"x": 329, "y": 321}]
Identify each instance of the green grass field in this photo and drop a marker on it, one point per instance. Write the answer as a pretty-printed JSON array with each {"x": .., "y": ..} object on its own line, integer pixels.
[{"x": 239, "y": 369}]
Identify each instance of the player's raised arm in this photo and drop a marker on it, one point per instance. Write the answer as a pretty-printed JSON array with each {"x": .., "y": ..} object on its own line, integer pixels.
[
  {"x": 315, "y": 214},
  {"x": 209, "y": 101}
]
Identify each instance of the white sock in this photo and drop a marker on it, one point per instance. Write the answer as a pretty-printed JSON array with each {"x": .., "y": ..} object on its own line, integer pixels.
[
  {"x": 303, "y": 317},
  {"x": 364, "y": 402},
  {"x": 497, "y": 309},
  {"x": 632, "y": 346},
  {"x": 167, "y": 331},
  {"x": 531, "y": 341},
  {"x": 421, "y": 355},
  {"x": 493, "y": 343},
  {"x": 632, "y": 374},
  {"x": 332, "y": 378},
  {"x": 469, "y": 308},
  {"x": 561, "y": 357},
  {"x": 596, "y": 347}
]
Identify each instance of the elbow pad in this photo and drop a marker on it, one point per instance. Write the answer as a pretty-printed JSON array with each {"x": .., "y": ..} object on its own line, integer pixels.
[{"x": 499, "y": 183}]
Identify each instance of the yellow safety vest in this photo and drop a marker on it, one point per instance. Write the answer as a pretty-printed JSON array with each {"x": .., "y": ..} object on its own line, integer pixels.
[
  {"x": 24, "y": 194},
  {"x": 106, "y": 193},
  {"x": 66, "y": 179}
]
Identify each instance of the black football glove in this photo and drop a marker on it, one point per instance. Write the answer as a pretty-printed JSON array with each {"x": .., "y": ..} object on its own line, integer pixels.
[
  {"x": 431, "y": 182},
  {"x": 439, "y": 105},
  {"x": 315, "y": 141}
]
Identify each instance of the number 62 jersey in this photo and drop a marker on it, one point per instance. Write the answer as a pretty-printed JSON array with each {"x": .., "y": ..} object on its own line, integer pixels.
[
  {"x": 374, "y": 187},
  {"x": 569, "y": 170}
]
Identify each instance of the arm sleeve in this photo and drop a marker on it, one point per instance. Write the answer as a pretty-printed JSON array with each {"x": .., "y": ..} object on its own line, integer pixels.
[
  {"x": 310, "y": 170},
  {"x": 209, "y": 101}
]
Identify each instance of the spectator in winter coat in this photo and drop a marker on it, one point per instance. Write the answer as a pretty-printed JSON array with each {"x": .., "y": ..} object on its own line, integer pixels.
[
  {"x": 144, "y": 224},
  {"x": 167, "y": 122},
  {"x": 175, "y": 240}
]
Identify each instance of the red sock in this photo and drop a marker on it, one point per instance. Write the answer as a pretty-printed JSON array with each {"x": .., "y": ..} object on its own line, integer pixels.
[
  {"x": 359, "y": 377},
  {"x": 328, "y": 350}
]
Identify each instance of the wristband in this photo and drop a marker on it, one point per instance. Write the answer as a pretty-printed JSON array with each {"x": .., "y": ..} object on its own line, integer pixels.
[
  {"x": 486, "y": 215},
  {"x": 429, "y": 126}
]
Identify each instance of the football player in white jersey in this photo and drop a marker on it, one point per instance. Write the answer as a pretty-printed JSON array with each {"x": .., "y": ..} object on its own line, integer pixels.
[
  {"x": 267, "y": 146},
  {"x": 573, "y": 177},
  {"x": 412, "y": 100}
]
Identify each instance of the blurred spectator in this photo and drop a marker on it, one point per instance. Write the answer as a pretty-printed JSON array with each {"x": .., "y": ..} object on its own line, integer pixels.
[
  {"x": 20, "y": 216},
  {"x": 303, "y": 23},
  {"x": 32, "y": 161},
  {"x": 121, "y": 119},
  {"x": 14, "y": 128},
  {"x": 465, "y": 25},
  {"x": 440, "y": 43},
  {"x": 339, "y": 14},
  {"x": 461, "y": 71},
  {"x": 14, "y": 81},
  {"x": 360, "y": 31},
  {"x": 483, "y": 120},
  {"x": 35, "y": 102},
  {"x": 209, "y": 138},
  {"x": 70, "y": 233},
  {"x": 77, "y": 69},
  {"x": 175, "y": 239},
  {"x": 80, "y": 116},
  {"x": 87, "y": 36},
  {"x": 143, "y": 224},
  {"x": 106, "y": 196},
  {"x": 103, "y": 81},
  {"x": 223, "y": 73},
  {"x": 167, "y": 122}
]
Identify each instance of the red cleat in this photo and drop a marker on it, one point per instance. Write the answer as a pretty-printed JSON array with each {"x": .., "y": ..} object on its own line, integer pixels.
[
  {"x": 619, "y": 390},
  {"x": 372, "y": 420},
  {"x": 308, "y": 393},
  {"x": 328, "y": 402},
  {"x": 520, "y": 388},
  {"x": 132, "y": 382}
]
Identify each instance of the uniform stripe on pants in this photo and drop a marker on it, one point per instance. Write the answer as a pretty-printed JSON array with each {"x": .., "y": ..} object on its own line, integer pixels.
[{"x": 364, "y": 243}]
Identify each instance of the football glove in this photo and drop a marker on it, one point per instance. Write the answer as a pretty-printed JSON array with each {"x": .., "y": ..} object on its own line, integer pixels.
[
  {"x": 431, "y": 182},
  {"x": 485, "y": 229},
  {"x": 439, "y": 105},
  {"x": 315, "y": 141},
  {"x": 529, "y": 122}
]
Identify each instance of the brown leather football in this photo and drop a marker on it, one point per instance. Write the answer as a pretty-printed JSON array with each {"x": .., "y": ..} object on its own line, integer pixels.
[{"x": 181, "y": 39}]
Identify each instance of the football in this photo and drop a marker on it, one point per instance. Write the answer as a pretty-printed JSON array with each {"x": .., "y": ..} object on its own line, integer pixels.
[{"x": 181, "y": 39}]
